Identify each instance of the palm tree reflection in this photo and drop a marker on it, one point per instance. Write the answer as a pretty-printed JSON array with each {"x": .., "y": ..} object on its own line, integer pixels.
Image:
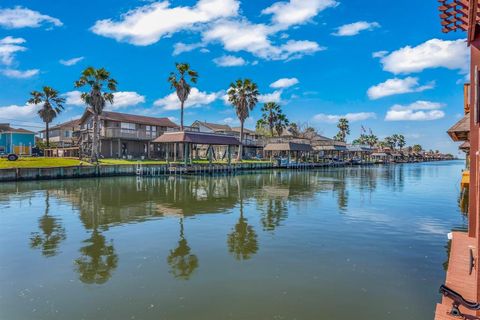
[
  {"x": 181, "y": 261},
  {"x": 242, "y": 242},
  {"x": 52, "y": 232},
  {"x": 276, "y": 212},
  {"x": 98, "y": 259}
]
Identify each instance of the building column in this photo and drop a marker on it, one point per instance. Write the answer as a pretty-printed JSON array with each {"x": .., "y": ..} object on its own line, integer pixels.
[
  {"x": 111, "y": 149},
  {"x": 119, "y": 151}
]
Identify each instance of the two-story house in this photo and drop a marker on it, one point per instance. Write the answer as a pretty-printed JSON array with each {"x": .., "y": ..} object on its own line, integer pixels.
[
  {"x": 63, "y": 135},
  {"x": 124, "y": 135},
  {"x": 252, "y": 142}
]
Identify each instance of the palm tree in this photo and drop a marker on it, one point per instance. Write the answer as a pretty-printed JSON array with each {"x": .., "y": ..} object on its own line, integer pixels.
[
  {"x": 391, "y": 142},
  {"x": 372, "y": 140},
  {"x": 344, "y": 130},
  {"x": 273, "y": 118},
  {"x": 182, "y": 87},
  {"x": 243, "y": 94},
  {"x": 52, "y": 106},
  {"x": 417, "y": 148},
  {"x": 97, "y": 80},
  {"x": 401, "y": 141}
]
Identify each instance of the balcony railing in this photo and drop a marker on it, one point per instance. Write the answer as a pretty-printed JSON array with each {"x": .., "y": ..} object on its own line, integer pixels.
[{"x": 130, "y": 134}]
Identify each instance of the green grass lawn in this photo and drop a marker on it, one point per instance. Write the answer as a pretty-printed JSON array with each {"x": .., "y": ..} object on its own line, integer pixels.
[
  {"x": 25, "y": 162},
  {"x": 123, "y": 161}
]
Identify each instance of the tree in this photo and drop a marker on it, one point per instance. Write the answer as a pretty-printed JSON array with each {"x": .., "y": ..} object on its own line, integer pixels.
[
  {"x": 97, "y": 80},
  {"x": 401, "y": 141},
  {"x": 417, "y": 148},
  {"x": 182, "y": 87},
  {"x": 390, "y": 142},
  {"x": 51, "y": 108},
  {"x": 243, "y": 94},
  {"x": 372, "y": 140},
  {"x": 344, "y": 130},
  {"x": 273, "y": 118}
]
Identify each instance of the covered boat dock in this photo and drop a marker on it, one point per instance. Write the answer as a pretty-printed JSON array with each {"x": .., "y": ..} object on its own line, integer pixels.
[{"x": 190, "y": 140}]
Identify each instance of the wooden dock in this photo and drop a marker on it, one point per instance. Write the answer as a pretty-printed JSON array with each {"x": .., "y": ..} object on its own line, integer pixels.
[{"x": 459, "y": 277}]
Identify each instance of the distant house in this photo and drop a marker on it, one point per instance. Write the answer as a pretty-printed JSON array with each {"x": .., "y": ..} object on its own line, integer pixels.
[
  {"x": 209, "y": 127},
  {"x": 252, "y": 145},
  {"x": 63, "y": 134},
  {"x": 124, "y": 135},
  {"x": 16, "y": 140}
]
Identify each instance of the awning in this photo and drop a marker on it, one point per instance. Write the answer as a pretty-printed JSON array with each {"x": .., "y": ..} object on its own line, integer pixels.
[
  {"x": 465, "y": 146},
  {"x": 288, "y": 146},
  {"x": 330, "y": 148},
  {"x": 197, "y": 138},
  {"x": 460, "y": 130}
]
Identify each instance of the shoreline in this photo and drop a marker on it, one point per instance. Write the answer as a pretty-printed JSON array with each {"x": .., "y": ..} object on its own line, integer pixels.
[{"x": 151, "y": 170}]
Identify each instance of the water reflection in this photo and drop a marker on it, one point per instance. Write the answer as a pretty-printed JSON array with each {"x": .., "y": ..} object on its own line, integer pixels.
[
  {"x": 51, "y": 232},
  {"x": 242, "y": 241},
  {"x": 182, "y": 263},
  {"x": 98, "y": 259},
  {"x": 106, "y": 203}
]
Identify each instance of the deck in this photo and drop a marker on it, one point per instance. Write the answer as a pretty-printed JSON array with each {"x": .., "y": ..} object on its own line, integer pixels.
[{"x": 458, "y": 277}]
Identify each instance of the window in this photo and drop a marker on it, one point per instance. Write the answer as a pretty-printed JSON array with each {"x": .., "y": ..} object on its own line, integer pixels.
[
  {"x": 67, "y": 134},
  {"x": 127, "y": 125}
]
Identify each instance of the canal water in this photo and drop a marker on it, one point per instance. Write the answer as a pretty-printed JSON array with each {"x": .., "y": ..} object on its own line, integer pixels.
[{"x": 345, "y": 243}]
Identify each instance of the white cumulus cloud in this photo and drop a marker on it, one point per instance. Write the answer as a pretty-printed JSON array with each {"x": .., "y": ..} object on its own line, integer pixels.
[
  {"x": 284, "y": 83},
  {"x": 434, "y": 53},
  {"x": 20, "y": 17},
  {"x": 9, "y": 46},
  {"x": 148, "y": 24},
  {"x": 397, "y": 86},
  {"x": 71, "y": 62},
  {"x": 229, "y": 61},
  {"x": 352, "y": 117},
  {"x": 294, "y": 12},
  {"x": 25, "y": 112},
  {"x": 196, "y": 98},
  {"x": 19, "y": 74},
  {"x": 417, "y": 111},
  {"x": 275, "y": 96},
  {"x": 352, "y": 29},
  {"x": 122, "y": 99}
]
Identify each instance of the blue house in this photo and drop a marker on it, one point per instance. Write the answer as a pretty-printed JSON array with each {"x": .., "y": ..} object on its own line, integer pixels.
[{"x": 18, "y": 141}]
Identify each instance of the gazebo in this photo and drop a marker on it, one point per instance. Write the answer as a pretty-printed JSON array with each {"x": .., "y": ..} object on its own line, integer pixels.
[
  {"x": 288, "y": 148},
  {"x": 190, "y": 138}
]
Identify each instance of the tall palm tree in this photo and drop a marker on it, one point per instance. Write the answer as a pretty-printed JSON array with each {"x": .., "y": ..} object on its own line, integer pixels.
[
  {"x": 243, "y": 94},
  {"x": 401, "y": 141},
  {"x": 344, "y": 130},
  {"x": 273, "y": 118},
  {"x": 52, "y": 106},
  {"x": 182, "y": 87},
  {"x": 372, "y": 140},
  {"x": 417, "y": 148},
  {"x": 101, "y": 87}
]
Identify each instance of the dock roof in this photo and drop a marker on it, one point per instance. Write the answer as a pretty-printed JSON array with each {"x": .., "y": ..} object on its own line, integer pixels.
[
  {"x": 288, "y": 146},
  {"x": 197, "y": 138},
  {"x": 460, "y": 130}
]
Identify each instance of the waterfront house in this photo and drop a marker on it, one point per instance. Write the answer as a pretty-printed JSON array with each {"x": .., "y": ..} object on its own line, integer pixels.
[
  {"x": 63, "y": 135},
  {"x": 252, "y": 141},
  {"x": 124, "y": 135},
  {"x": 462, "y": 282},
  {"x": 16, "y": 140}
]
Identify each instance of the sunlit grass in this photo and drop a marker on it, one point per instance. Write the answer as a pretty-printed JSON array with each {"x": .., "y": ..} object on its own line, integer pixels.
[{"x": 27, "y": 162}]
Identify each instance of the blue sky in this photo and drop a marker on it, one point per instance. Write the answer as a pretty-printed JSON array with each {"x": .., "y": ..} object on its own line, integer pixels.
[{"x": 388, "y": 68}]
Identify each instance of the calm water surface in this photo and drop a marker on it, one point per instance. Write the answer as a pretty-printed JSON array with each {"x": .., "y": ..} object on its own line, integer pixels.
[{"x": 348, "y": 243}]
